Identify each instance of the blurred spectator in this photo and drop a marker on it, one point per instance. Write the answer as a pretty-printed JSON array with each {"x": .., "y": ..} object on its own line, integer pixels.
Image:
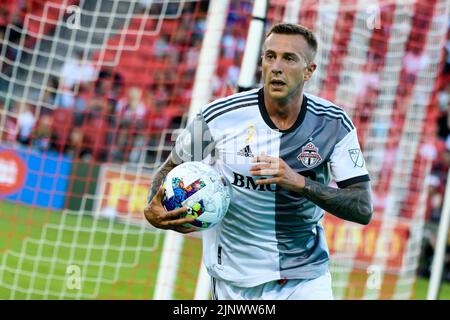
[
  {"x": 444, "y": 118},
  {"x": 239, "y": 10},
  {"x": 109, "y": 85},
  {"x": 444, "y": 98},
  {"x": 2, "y": 33},
  {"x": 442, "y": 161},
  {"x": 193, "y": 54},
  {"x": 75, "y": 146},
  {"x": 77, "y": 70},
  {"x": 229, "y": 45},
  {"x": 81, "y": 99},
  {"x": 199, "y": 30},
  {"x": 145, "y": 3},
  {"x": 233, "y": 72},
  {"x": 112, "y": 78},
  {"x": 435, "y": 198},
  {"x": 25, "y": 123},
  {"x": 132, "y": 106},
  {"x": 76, "y": 78},
  {"x": 367, "y": 81},
  {"x": 160, "y": 94},
  {"x": 414, "y": 61},
  {"x": 447, "y": 55},
  {"x": 42, "y": 135},
  {"x": 131, "y": 112},
  {"x": 427, "y": 251},
  {"x": 232, "y": 43},
  {"x": 94, "y": 135},
  {"x": 161, "y": 46},
  {"x": 65, "y": 98}
]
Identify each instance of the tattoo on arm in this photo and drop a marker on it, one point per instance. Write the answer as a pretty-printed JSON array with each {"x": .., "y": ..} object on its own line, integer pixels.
[
  {"x": 159, "y": 175},
  {"x": 353, "y": 203}
]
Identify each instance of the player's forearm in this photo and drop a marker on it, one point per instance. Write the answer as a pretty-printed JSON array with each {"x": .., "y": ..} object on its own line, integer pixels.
[
  {"x": 159, "y": 175},
  {"x": 353, "y": 203}
]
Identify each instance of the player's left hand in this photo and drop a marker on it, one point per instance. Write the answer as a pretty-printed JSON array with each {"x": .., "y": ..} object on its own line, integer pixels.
[{"x": 279, "y": 171}]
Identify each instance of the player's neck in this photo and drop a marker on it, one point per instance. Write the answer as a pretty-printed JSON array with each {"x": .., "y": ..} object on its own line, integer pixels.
[{"x": 284, "y": 113}]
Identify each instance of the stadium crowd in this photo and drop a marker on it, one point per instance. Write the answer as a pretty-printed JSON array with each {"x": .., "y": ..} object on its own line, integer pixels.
[
  {"x": 97, "y": 115},
  {"x": 438, "y": 177}
]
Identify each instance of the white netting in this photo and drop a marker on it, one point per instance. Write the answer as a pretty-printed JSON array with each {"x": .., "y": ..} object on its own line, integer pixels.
[
  {"x": 75, "y": 229},
  {"x": 381, "y": 63},
  {"x": 102, "y": 248}
]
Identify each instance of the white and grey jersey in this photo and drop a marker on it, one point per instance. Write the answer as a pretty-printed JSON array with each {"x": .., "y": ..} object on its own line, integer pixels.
[{"x": 270, "y": 233}]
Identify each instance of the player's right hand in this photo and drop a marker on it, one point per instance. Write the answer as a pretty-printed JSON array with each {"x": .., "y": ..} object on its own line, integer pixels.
[{"x": 158, "y": 217}]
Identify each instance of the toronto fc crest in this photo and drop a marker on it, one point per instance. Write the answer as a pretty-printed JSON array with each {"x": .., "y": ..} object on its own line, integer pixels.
[{"x": 310, "y": 155}]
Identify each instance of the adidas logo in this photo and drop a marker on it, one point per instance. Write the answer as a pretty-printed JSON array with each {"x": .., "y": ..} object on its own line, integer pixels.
[{"x": 245, "y": 152}]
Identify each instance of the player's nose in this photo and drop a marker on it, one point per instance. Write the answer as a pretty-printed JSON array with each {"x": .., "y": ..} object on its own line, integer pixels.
[
  {"x": 277, "y": 70},
  {"x": 276, "y": 67}
]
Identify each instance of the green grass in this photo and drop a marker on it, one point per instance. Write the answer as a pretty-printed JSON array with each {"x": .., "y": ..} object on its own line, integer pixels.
[
  {"x": 44, "y": 245},
  {"x": 117, "y": 261},
  {"x": 422, "y": 289}
]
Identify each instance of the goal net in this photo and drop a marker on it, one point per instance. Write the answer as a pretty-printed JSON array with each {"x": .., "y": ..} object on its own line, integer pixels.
[
  {"x": 381, "y": 63},
  {"x": 91, "y": 95}
]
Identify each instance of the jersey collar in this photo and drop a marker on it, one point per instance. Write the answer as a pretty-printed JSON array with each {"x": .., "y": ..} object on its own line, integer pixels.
[{"x": 269, "y": 122}]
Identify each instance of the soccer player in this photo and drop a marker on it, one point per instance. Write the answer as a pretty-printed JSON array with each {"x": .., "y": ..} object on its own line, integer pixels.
[{"x": 277, "y": 147}]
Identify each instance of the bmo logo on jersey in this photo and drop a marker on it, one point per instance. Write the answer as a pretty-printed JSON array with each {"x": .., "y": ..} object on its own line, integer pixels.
[
  {"x": 248, "y": 182},
  {"x": 12, "y": 172}
]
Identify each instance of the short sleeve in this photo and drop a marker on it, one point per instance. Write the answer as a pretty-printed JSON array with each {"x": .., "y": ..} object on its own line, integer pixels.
[
  {"x": 195, "y": 142},
  {"x": 347, "y": 162}
]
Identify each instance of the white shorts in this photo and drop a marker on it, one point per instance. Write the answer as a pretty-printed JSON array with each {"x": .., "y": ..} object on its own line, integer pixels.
[{"x": 293, "y": 289}]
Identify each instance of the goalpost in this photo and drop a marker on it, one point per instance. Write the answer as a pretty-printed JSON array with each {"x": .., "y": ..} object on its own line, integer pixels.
[
  {"x": 71, "y": 199},
  {"x": 201, "y": 95}
]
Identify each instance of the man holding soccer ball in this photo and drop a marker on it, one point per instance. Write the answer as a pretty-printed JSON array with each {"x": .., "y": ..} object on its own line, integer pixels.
[{"x": 277, "y": 147}]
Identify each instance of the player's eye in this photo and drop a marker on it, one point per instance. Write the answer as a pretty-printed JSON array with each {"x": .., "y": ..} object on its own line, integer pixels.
[{"x": 289, "y": 58}]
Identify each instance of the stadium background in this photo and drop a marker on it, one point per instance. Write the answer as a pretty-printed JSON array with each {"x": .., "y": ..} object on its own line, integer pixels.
[{"x": 92, "y": 91}]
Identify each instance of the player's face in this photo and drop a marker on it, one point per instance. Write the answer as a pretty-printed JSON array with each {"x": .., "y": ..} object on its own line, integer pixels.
[{"x": 285, "y": 66}]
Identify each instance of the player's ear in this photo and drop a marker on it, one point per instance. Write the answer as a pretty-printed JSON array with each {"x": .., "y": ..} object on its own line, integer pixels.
[{"x": 309, "y": 71}]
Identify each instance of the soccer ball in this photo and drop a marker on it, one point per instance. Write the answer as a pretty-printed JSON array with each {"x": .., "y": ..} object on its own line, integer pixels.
[{"x": 200, "y": 188}]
